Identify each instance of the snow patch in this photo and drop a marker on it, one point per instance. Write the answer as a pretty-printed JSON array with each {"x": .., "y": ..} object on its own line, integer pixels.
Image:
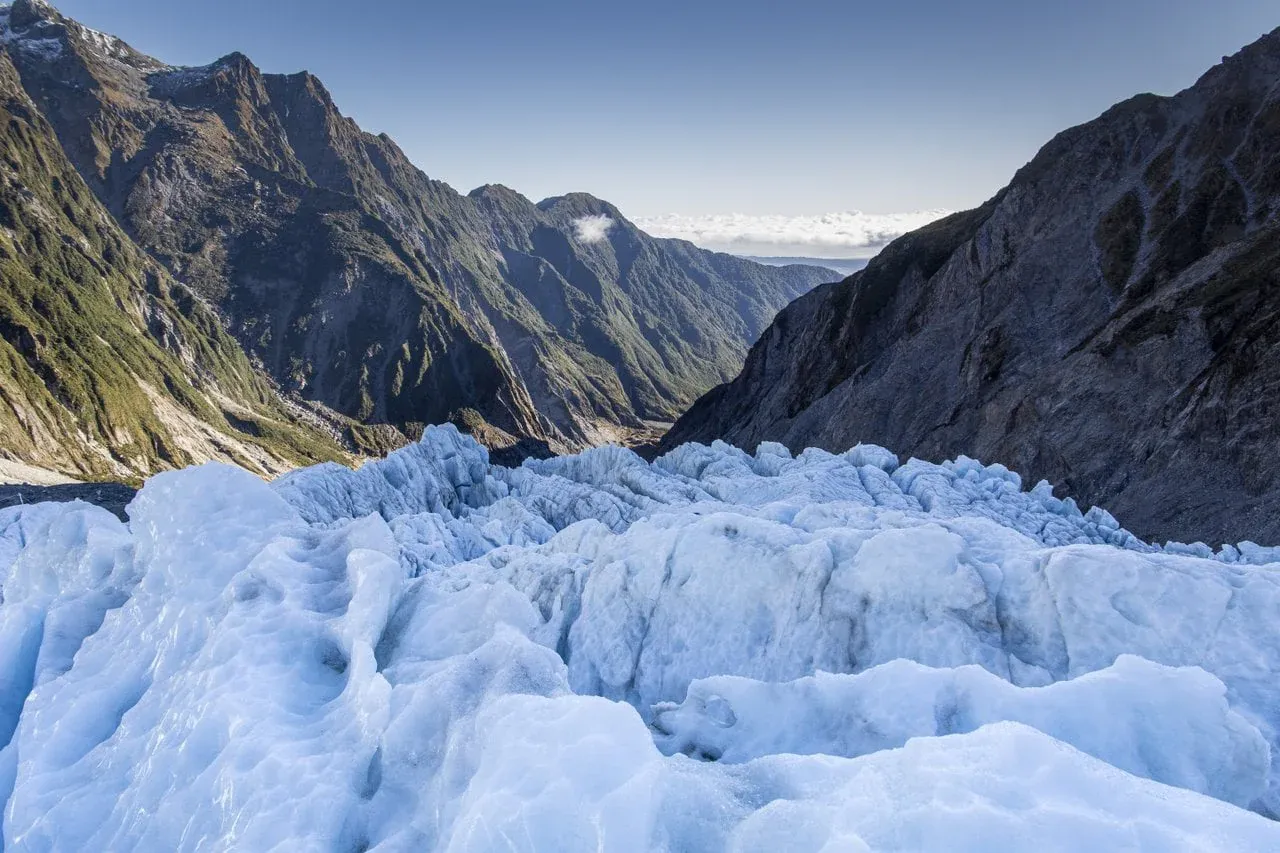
[{"x": 104, "y": 45}]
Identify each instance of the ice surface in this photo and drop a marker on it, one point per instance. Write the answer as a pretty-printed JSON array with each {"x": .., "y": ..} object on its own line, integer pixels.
[
  {"x": 1170, "y": 725},
  {"x": 436, "y": 653}
]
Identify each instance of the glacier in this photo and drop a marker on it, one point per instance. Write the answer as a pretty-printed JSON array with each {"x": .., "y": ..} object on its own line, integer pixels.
[{"x": 715, "y": 650}]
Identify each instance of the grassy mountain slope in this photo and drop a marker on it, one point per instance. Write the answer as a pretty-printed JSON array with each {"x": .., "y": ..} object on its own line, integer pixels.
[{"x": 110, "y": 369}]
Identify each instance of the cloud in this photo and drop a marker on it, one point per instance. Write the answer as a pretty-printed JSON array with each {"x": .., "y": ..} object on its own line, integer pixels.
[
  {"x": 852, "y": 234},
  {"x": 592, "y": 229}
]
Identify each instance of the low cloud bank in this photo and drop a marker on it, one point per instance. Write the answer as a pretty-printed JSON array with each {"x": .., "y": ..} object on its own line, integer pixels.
[{"x": 852, "y": 234}]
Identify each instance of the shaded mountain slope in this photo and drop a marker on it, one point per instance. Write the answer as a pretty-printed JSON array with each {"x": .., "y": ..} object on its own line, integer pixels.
[{"x": 1109, "y": 321}]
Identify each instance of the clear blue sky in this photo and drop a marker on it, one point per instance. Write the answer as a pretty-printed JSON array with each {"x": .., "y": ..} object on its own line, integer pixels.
[{"x": 747, "y": 106}]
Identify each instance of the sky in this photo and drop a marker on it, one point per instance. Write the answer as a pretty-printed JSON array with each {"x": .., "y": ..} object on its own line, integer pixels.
[{"x": 791, "y": 119}]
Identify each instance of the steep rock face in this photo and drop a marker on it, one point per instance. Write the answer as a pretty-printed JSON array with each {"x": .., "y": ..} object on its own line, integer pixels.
[
  {"x": 1109, "y": 321},
  {"x": 109, "y": 368},
  {"x": 360, "y": 283}
]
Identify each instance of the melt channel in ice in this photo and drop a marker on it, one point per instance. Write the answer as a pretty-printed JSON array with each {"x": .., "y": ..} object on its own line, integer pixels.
[{"x": 713, "y": 651}]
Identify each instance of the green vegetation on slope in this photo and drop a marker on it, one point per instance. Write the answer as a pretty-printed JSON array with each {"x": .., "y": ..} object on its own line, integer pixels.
[{"x": 109, "y": 368}]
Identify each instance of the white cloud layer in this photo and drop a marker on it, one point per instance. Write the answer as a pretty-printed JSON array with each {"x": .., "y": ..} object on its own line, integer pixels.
[
  {"x": 852, "y": 234},
  {"x": 592, "y": 229}
]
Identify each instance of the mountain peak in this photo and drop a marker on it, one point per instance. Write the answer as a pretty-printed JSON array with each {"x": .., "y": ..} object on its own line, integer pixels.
[
  {"x": 33, "y": 26},
  {"x": 496, "y": 192},
  {"x": 41, "y": 31},
  {"x": 25, "y": 13},
  {"x": 579, "y": 204},
  {"x": 234, "y": 59}
]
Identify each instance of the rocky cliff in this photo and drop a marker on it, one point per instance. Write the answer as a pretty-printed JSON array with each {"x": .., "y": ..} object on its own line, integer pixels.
[{"x": 1110, "y": 321}]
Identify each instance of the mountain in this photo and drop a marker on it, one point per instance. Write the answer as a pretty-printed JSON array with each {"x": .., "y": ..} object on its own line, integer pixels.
[
  {"x": 360, "y": 284},
  {"x": 632, "y": 326},
  {"x": 1109, "y": 321},
  {"x": 110, "y": 368}
]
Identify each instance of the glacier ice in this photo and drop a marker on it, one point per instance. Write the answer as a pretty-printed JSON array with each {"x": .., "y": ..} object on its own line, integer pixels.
[
  {"x": 713, "y": 651},
  {"x": 1169, "y": 724}
]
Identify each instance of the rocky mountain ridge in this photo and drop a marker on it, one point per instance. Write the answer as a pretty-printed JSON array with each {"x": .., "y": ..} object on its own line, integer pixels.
[{"x": 1109, "y": 321}]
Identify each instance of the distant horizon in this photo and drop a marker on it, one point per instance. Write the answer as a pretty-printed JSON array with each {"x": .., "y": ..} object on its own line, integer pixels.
[
  {"x": 846, "y": 235},
  {"x": 684, "y": 114},
  {"x": 841, "y": 266}
]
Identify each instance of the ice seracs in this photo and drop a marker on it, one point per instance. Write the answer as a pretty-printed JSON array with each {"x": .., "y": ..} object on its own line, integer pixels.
[
  {"x": 713, "y": 651},
  {"x": 1173, "y": 725}
]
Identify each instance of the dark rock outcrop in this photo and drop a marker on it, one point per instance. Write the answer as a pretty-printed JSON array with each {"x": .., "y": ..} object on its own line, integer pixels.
[
  {"x": 1110, "y": 321},
  {"x": 113, "y": 497}
]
